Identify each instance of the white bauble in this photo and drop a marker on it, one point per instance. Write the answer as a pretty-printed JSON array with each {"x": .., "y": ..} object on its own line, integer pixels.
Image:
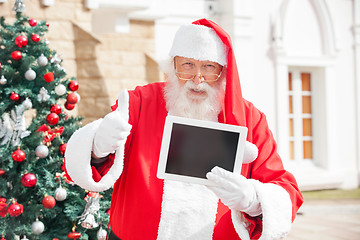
[
  {"x": 3, "y": 80},
  {"x": 30, "y": 74},
  {"x": 60, "y": 90},
  {"x": 60, "y": 194},
  {"x": 37, "y": 227},
  {"x": 101, "y": 234},
  {"x": 42, "y": 151},
  {"x": 42, "y": 61}
]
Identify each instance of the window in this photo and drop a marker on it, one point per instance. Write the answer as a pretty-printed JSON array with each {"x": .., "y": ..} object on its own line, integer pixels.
[{"x": 300, "y": 116}]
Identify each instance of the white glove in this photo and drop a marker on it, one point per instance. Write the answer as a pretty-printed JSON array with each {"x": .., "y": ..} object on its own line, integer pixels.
[
  {"x": 235, "y": 191},
  {"x": 114, "y": 128}
]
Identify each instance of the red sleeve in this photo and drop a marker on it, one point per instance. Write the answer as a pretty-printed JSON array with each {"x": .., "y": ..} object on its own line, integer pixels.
[
  {"x": 268, "y": 167},
  {"x": 99, "y": 170}
]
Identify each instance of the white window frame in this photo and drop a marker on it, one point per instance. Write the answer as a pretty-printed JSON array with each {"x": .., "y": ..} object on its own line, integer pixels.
[{"x": 297, "y": 116}]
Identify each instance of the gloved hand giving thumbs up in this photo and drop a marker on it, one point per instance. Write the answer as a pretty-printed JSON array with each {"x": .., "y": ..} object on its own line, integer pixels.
[{"x": 114, "y": 128}]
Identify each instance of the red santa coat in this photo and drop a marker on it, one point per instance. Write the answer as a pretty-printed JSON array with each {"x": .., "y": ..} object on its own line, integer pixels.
[{"x": 141, "y": 208}]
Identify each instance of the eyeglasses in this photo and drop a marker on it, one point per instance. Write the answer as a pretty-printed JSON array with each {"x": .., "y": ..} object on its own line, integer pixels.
[{"x": 204, "y": 77}]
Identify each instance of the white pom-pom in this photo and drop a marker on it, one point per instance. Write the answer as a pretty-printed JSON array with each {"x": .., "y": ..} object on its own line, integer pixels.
[{"x": 250, "y": 152}]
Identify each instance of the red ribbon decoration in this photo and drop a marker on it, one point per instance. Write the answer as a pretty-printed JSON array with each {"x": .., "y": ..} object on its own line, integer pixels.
[{"x": 50, "y": 134}]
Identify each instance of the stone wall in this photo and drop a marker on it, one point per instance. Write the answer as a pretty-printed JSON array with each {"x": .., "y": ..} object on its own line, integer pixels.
[{"x": 102, "y": 63}]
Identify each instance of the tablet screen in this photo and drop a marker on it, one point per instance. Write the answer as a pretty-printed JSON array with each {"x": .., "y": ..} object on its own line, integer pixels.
[
  {"x": 191, "y": 148},
  {"x": 194, "y": 151}
]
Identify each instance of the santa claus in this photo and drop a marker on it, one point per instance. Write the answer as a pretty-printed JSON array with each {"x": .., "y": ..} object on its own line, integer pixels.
[{"x": 122, "y": 150}]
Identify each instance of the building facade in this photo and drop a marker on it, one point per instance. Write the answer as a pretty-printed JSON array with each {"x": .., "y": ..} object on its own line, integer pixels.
[{"x": 299, "y": 62}]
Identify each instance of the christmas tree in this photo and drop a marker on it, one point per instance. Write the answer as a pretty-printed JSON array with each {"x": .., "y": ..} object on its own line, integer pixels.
[{"x": 37, "y": 201}]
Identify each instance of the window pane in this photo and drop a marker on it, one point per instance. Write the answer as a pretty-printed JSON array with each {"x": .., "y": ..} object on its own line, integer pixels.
[
  {"x": 308, "y": 149},
  {"x": 291, "y": 128},
  {"x": 307, "y": 130},
  {"x": 290, "y": 81},
  {"x": 306, "y": 104},
  {"x": 290, "y": 105},
  {"x": 291, "y": 150},
  {"x": 305, "y": 78}
]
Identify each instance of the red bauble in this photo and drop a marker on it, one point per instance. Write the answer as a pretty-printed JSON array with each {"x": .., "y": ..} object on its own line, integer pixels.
[
  {"x": 56, "y": 108},
  {"x": 52, "y": 118},
  {"x": 18, "y": 155},
  {"x": 49, "y": 77},
  {"x": 73, "y": 85},
  {"x": 62, "y": 148},
  {"x": 32, "y": 22},
  {"x": 72, "y": 98},
  {"x": 16, "y": 55},
  {"x": 48, "y": 202},
  {"x": 35, "y": 38},
  {"x": 14, "y": 96},
  {"x": 28, "y": 180},
  {"x": 69, "y": 106},
  {"x": 2, "y": 172},
  {"x": 21, "y": 41},
  {"x": 74, "y": 235},
  {"x": 15, "y": 209}
]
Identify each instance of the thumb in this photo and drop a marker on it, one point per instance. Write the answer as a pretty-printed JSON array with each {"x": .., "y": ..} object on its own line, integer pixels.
[
  {"x": 250, "y": 152},
  {"x": 123, "y": 105}
]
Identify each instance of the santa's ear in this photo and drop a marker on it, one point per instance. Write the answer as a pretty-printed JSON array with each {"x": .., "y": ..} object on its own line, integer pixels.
[{"x": 250, "y": 152}]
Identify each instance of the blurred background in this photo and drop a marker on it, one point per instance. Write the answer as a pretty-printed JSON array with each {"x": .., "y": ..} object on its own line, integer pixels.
[{"x": 299, "y": 63}]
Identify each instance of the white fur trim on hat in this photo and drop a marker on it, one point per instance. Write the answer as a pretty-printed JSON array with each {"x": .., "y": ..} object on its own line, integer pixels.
[
  {"x": 78, "y": 159},
  {"x": 276, "y": 212},
  {"x": 199, "y": 42}
]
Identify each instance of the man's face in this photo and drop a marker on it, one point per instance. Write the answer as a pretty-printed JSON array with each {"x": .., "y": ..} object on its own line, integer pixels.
[{"x": 199, "y": 72}]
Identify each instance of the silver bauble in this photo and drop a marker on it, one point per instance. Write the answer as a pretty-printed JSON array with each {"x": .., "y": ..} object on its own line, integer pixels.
[
  {"x": 101, "y": 234},
  {"x": 30, "y": 74},
  {"x": 37, "y": 227},
  {"x": 3, "y": 80},
  {"x": 60, "y": 90},
  {"x": 42, "y": 61},
  {"x": 78, "y": 97},
  {"x": 60, "y": 194},
  {"x": 42, "y": 151}
]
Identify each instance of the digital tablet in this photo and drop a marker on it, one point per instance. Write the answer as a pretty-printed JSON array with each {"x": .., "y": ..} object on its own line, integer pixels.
[{"x": 191, "y": 148}]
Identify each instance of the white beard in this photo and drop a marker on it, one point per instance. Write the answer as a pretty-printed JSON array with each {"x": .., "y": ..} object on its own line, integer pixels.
[{"x": 179, "y": 102}]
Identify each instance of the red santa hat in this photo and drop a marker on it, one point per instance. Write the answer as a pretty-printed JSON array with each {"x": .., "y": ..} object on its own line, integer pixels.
[{"x": 205, "y": 40}]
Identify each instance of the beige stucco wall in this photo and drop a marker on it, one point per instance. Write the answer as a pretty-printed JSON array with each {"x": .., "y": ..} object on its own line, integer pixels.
[{"x": 102, "y": 63}]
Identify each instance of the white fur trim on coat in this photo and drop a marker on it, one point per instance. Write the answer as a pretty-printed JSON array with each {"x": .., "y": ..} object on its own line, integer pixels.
[
  {"x": 188, "y": 211},
  {"x": 276, "y": 213},
  {"x": 78, "y": 159},
  {"x": 199, "y": 42}
]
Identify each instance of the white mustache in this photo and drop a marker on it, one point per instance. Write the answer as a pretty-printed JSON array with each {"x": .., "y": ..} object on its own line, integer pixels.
[{"x": 190, "y": 85}]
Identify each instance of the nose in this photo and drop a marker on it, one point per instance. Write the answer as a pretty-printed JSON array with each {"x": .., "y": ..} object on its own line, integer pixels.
[{"x": 199, "y": 78}]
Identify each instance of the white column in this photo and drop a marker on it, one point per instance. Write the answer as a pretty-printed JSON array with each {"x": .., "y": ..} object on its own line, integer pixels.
[
  {"x": 282, "y": 110},
  {"x": 357, "y": 78}
]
